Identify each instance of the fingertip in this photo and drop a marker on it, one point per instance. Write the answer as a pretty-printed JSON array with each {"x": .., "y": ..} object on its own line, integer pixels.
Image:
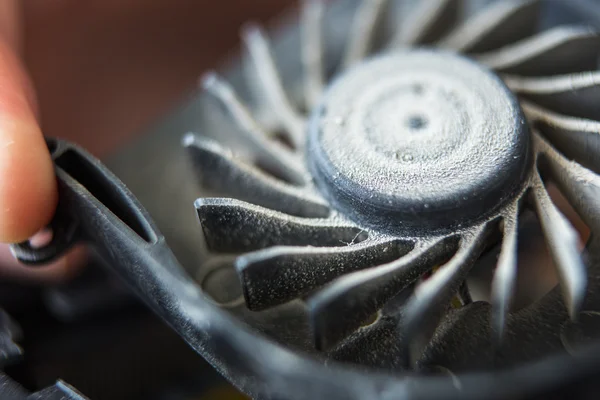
[{"x": 28, "y": 193}]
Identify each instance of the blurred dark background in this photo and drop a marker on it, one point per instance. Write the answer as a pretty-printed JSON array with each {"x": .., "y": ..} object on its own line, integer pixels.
[{"x": 105, "y": 69}]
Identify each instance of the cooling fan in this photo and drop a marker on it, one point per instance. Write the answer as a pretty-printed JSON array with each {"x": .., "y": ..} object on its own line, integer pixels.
[
  {"x": 410, "y": 160},
  {"x": 356, "y": 201}
]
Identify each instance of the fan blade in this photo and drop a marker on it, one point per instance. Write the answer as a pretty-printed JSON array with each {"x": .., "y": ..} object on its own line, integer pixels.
[
  {"x": 563, "y": 241},
  {"x": 235, "y": 226},
  {"x": 268, "y": 76},
  {"x": 367, "y": 17},
  {"x": 497, "y": 25},
  {"x": 580, "y": 186},
  {"x": 503, "y": 284},
  {"x": 432, "y": 297},
  {"x": 345, "y": 304},
  {"x": 576, "y": 95},
  {"x": 274, "y": 157},
  {"x": 247, "y": 183},
  {"x": 427, "y": 23},
  {"x": 578, "y": 139},
  {"x": 312, "y": 50},
  {"x": 562, "y": 50},
  {"x": 276, "y": 275}
]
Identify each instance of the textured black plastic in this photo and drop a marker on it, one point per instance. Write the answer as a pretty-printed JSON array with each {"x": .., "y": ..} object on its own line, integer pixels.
[{"x": 264, "y": 369}]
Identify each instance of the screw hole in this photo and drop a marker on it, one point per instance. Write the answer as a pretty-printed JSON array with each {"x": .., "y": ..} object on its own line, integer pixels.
[{"x": 417, "y": 122}]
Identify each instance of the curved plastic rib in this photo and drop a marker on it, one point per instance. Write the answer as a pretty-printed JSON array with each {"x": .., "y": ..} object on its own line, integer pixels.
[
  {"x": 270, "y": 81},
  {"x": 269, "y": 154},
  {"x": 431, "y": 298},
  {"x": 580, "y": 186},
  {"x": 576, "y": 138},
  {"x": 504, "y": 280},
  {"x": 562, "y": 50},
  {"x": 247, "y": 183},
  {"x": 345, "y": 304},
  {"x": 312, "y": 50},
  {"x": 430, "y": 20},
  {"x": 576, "y": 95},
  {"x": 497, "y": 25},
  {"x": 274, "y": 276},
  {"x": 367, "y": 17},
  {"x": 563, "y": 241},
  {"x": 234, "y": 226}
]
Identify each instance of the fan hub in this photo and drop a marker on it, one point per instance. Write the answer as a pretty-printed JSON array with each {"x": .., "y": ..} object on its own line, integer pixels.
[{"x": 418, "y": 141}]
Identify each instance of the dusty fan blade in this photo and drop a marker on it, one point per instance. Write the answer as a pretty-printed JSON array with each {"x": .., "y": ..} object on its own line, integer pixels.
[
  {"x": 235, "y": 226},
  {"x": 250, "y": 184},
  {"x": 346, "y": 303},
  {"x": 276, "y": 275}
]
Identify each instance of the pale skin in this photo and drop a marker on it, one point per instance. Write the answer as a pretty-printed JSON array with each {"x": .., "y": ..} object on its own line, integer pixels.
[{"x": 27, "y": 184}]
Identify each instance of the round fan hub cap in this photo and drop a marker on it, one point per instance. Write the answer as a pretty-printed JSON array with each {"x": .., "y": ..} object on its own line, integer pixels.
[{"x": 418, "y": 141}]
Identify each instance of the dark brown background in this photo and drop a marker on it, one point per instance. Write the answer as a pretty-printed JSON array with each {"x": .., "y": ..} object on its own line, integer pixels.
[{"x": 105, "y": 69}]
